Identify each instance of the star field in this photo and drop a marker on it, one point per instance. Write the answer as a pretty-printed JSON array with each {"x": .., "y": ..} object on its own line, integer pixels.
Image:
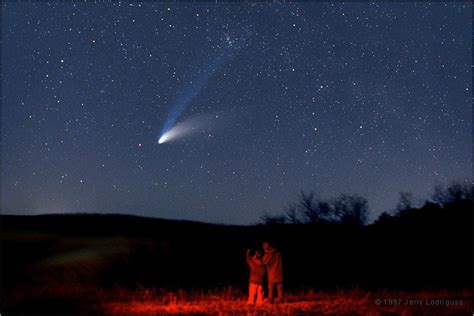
[{"x": 366, "y": 98}]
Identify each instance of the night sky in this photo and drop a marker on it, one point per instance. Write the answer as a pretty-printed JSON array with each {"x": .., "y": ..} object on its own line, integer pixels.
[{"x": 270, "y": 98}]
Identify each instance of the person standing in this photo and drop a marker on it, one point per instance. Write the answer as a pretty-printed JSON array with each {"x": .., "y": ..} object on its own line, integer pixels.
[
  {"x": 272, "y": 261},
  {"x": 257, "y": 274}
]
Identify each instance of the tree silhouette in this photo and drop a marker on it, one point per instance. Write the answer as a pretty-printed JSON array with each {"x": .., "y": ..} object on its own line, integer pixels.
[
  {"x": 454, "y": 192},
  {"x": 351, "y": 209},
  {"x": 405, "y": 201},
  {"x": 344, "y": 209},
  {"x": 268, "y": 219},
  {"x": 292, "y": 215},
  {"x": 315, "y": 211}
]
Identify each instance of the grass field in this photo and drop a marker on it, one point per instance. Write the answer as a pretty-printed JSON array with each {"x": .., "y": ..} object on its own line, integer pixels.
[
  {"x": 342, "y": 302},
  {"x": 80, "y": 299}
]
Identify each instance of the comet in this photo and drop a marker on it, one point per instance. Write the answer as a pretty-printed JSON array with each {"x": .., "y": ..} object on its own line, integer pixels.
[{"x": 170, "y": 131}]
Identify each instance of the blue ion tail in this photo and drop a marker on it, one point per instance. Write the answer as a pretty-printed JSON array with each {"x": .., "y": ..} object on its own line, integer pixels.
[{"x": 185, "y": 98}]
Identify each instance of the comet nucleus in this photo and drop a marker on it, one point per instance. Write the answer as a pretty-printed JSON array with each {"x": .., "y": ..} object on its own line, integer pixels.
[{"x": 162, "y": 139}]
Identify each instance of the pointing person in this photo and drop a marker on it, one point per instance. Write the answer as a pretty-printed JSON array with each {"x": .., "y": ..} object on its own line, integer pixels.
[{"x": 257, "y": 274}]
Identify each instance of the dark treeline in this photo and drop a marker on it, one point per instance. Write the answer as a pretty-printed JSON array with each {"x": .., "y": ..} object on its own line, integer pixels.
[
  {"x": 345, "y": 209},
  {"x": 323, "y": 242},
  {"x": 353, "y": 209}
]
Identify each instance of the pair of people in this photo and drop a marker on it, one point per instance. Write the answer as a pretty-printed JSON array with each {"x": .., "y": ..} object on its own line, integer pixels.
[{"x": 269, "y": 262}]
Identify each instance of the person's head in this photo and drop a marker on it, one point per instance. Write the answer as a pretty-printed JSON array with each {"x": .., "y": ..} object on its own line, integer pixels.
[
  {"x": 257, "y": 253},
  {"x": 267, "y": 246}
]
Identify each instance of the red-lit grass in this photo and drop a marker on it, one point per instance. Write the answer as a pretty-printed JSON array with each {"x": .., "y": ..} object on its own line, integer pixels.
[
  {"x": 76, "y": 297},
  {"x": 232, "y": 302}
]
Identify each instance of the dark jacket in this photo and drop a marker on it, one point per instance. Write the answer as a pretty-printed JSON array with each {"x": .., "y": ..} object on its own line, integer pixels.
[
  {"x": 257, "y": 269},
  {"x": 272, "y": 260}
]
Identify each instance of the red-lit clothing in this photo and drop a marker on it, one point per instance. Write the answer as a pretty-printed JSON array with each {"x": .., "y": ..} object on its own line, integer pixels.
[
  {"x": 257, "y": 270},
  {"x": 272, "y": 259},
  {"x": 255, "y": 294}
]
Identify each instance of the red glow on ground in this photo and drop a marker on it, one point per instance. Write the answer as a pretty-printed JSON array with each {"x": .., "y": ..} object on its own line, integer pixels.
[{"x": 315, "y": 303}]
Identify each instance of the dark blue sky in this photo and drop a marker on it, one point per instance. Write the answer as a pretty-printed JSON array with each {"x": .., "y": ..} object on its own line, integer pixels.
[{"x": 360, "y": 98}]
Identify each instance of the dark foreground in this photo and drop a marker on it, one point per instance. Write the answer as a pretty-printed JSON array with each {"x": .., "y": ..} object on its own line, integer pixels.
[{"x": 127, "y": 265}]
